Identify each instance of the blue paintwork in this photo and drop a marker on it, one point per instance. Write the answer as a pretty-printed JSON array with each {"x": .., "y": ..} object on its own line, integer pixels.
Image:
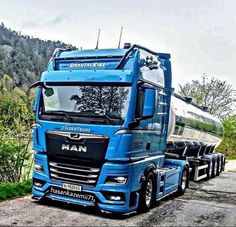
[
  {"x": 127, "y": 153},
  {"x": 92, "y": 53}
]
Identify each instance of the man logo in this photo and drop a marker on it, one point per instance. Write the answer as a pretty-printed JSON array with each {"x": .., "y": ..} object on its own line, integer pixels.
[
  {"x": 74, "y": 136},
  {"x": 77, "y": 148}
]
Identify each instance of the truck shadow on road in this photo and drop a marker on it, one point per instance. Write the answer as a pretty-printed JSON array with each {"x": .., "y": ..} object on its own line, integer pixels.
[{"x": 94, "y": 211}]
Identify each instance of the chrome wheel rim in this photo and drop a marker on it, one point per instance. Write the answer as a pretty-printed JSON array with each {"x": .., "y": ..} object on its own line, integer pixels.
[
  {"x": 184, "y": 180},
  {"x": 148, "y": 194}
]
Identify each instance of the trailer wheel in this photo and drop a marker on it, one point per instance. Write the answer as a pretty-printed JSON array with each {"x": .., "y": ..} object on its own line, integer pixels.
[
  {"x": 184, "y": 181},
  {"x": 210, "y": 170},
  {"x": 223, "y": 164},
  {"x": 218, "y": 167},
  {"x": 147, "y": 193},
  {"x": 214, "y": 172}
]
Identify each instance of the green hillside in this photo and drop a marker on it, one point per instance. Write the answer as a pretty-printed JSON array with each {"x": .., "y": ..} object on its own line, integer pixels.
[{"x": 22, "y": 57}]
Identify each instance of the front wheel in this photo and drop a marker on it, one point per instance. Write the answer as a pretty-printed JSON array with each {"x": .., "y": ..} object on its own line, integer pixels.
[
  {"x": 147, "y": 193},
  {"x": 184, "y": 181}
]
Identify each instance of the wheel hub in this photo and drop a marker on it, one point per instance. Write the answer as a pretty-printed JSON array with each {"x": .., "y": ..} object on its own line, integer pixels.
[
  {"x": 148, "y": 194},
  {"x": 184, "y": 180}
]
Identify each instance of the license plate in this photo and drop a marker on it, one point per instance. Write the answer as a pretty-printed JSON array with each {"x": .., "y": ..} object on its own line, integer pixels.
[{"x": 72, "y": 187}]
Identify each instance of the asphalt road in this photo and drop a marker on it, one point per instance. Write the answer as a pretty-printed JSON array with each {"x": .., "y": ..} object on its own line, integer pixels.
[{"x": 206, "y": 203}]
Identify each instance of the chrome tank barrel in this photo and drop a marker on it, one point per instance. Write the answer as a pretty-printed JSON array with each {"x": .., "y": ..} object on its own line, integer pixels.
[{"x": 190, "y": 123}]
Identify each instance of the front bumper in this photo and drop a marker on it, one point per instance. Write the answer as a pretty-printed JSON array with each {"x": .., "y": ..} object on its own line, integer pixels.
[{"x": 129, "y": 200}]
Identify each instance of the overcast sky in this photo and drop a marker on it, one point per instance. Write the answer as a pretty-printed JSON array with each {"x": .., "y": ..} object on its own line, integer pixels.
[{"x": 200, "y": 35}]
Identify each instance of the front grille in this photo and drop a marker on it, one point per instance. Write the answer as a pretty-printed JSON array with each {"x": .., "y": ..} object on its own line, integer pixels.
[
  {"x": 67, "y": 163},
  {"x": 75, "y": 174}
]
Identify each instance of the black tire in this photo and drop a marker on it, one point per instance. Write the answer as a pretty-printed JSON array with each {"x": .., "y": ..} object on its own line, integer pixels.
[
  {"x": 147, "y": 193},
  {"x": 210, "y": 170},
  {"x": 223, "y": 164},
  {"x": 214, "y": 170},
  {"x": 218, "y": 167},
  {"x": 184, "y": 181}
]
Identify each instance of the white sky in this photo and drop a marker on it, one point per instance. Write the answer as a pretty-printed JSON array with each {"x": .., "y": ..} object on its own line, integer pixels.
[{"x": 200, "y": 35}]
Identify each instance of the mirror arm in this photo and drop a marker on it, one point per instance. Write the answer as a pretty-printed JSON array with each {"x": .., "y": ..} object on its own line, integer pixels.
[
  {"x": 36, "y": 84},
  {"x": 136, "y": 122}
]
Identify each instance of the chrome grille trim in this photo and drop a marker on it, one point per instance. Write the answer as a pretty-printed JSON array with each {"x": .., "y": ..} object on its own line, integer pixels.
[
  {"x": 77, "y": 175},
  {"x": 65, "y": 166},
  {"x": 66, "y": 179},
  {"x": 78, "y": 136},
  {"x": 73, "y": 173}
]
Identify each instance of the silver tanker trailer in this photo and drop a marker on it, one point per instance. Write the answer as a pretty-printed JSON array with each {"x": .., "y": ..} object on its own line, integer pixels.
[{"x": 193, "y": 135}]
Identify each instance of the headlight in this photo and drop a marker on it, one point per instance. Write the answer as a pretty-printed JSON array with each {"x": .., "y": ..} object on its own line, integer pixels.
[
  {"x": 38, "y": 168},
  {"x": 116, "y": 180}
]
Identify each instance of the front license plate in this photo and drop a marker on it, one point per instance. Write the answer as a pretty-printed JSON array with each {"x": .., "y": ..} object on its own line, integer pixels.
[{"x": 72, "y": 187}]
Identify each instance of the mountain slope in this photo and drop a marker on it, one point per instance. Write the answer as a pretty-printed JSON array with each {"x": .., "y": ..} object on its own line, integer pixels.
[{"x": 23, "y": 58}]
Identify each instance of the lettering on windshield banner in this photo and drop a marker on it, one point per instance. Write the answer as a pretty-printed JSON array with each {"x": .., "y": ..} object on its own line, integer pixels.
[
  {"x": 88, "y": 65},
  {"x": 75, "y": 129}
]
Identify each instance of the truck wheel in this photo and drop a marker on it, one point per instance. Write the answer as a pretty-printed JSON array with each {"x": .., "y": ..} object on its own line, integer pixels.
[
  {"x": 218, "y": 167},
  {"x": 147, "y": 193},
  {"x": 214, "y": 172},
  {"x": 210, "y": 170},
  {"x": 223, "y": 164},
  {"x": 184, "y": 181}
]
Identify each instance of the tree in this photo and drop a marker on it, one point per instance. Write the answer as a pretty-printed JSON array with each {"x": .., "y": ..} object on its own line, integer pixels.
[
  {"x": 213, "y": 93},
  {"x": 228, "y": 145},
  {"x": 111, "y": 99}
]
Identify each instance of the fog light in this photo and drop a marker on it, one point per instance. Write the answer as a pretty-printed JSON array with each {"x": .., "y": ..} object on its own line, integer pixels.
[
  {"x": 116, "y": 180},
  {"x": 38, "y": 183},
  {"x": 38, "y": 168},
  {"x": 115, "y": 198}
]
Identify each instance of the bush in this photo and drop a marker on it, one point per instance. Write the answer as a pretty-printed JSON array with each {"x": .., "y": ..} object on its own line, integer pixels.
[
  {"x": 13, "y": 190},
  {"x": 16, "y": 118},
  {"x": 12, "y": 159}
]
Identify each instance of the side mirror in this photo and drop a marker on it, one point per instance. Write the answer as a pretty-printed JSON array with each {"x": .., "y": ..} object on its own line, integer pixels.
[
  {"x": 145, "y": 108},
  {"x": 149, "y": 103}
]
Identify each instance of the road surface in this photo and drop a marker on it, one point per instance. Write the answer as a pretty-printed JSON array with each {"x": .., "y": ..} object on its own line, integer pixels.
[{"x": 206, "y": 203}]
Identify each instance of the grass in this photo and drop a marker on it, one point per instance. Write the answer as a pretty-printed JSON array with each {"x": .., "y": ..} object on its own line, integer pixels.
[
  {"x": 231, "y": 157},
  {"x": 14, "y": 190}
]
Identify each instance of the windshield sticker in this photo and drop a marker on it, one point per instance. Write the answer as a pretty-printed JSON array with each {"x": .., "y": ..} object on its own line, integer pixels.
[
  {"x": 85, "y": 65},
  {"x": 75, "y": 129}
]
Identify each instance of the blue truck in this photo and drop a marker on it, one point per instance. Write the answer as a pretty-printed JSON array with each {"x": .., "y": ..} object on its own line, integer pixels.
[{"x": 105, "y": 134}]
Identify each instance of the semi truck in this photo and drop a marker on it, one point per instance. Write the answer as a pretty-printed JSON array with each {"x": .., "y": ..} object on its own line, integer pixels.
[{"x": 110, "y": 132}]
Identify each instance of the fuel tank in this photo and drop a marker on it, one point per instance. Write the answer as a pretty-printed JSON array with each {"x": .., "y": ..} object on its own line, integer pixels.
[{"x": 189, "y": 122}]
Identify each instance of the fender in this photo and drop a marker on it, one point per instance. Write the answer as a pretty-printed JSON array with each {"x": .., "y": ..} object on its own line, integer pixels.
[{"x": 150, "y": 168}]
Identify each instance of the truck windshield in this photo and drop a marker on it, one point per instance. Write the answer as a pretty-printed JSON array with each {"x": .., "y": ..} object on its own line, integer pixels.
[{"x": 107, "y": 102}]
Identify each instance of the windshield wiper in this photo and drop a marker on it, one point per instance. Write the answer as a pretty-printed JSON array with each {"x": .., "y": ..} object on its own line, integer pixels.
[
  {"x": 97, "y": 113},
  {"x": 107, "y": 117},
  {"x": 61, "y": 113}
]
